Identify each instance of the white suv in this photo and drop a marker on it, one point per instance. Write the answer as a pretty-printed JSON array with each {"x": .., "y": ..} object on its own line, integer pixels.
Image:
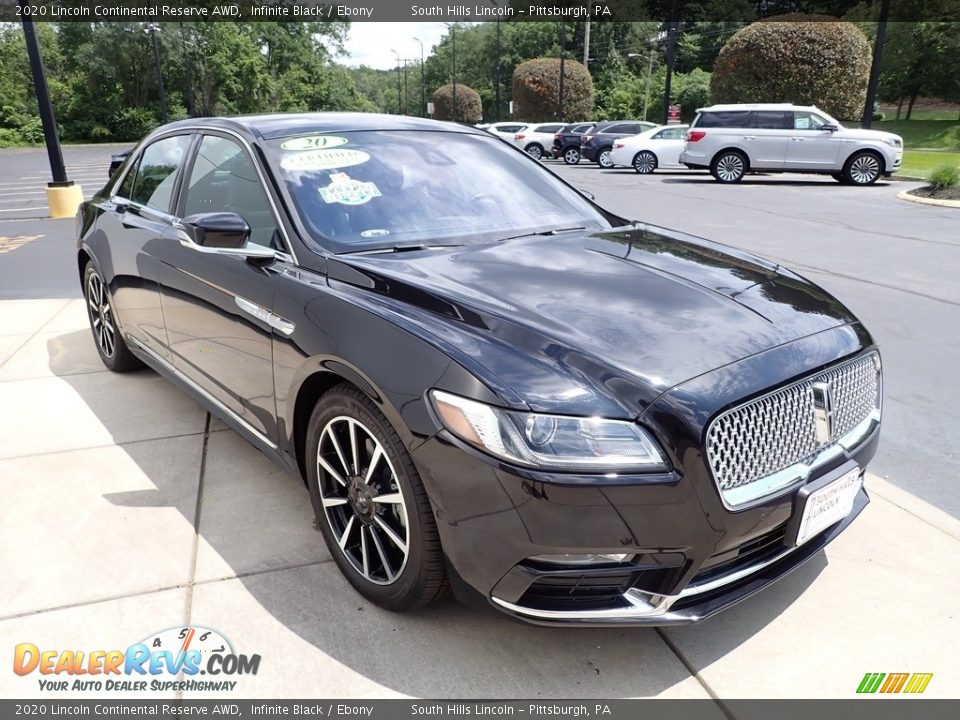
[
  {"x": 731, "y": 140},
  {"x": 537, "y": 140}
]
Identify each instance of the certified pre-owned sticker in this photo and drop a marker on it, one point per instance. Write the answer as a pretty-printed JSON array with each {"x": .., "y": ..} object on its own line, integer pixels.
[
  {"x": 324, "y": 159},
  {"x": 345, "y": 190},
  {"x": 313, "y": 142}
]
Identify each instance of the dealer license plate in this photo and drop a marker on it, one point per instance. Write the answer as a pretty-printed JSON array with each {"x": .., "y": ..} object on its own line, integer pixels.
[{"x": 828, "y": 505}]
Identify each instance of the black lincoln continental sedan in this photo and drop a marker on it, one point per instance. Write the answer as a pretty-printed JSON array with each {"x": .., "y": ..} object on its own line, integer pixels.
[{"x": 486, "y": 381}]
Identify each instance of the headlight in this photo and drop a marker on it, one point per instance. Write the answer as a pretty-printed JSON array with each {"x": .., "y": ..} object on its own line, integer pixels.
[
  {"x": 549, "y": 442},
  {"x": 893, "y": 142}
]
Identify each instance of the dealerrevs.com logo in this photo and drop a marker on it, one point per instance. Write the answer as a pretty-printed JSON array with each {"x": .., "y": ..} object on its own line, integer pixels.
[{"x": 153, "y": 663}]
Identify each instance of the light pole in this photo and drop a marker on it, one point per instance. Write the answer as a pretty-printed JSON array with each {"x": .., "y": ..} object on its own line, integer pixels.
[
  {"x": 453, "y": 39},
  {"x": 563, "y": 42},
  {"x": 187, "y": 71},
  {"x": 152, "y": 29},
  {"x": 63, "y": 196},
  {"x": 646, "y": 96},
  {"x": 406, "y": 92},
  {"x": 423, "y": 86},
  {"x": 671, "y": 51},
  {"x": 399, "y": 94}
]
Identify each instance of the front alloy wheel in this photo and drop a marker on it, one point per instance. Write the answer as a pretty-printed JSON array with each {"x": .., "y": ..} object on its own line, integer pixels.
[
  {"x": 371, "y": 505},
  {"x": 603, "y": 159},
  {"x": 645, "y": 162},
  {"x": 571, "y": 156},
  {"x": 729, "y": 167},
  {"x": 110, "y": 345},
  {"x": 862, "y": 169}
]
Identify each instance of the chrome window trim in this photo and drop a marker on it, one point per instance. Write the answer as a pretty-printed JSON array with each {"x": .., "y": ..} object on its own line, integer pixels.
[{"x": 209, "y": 129}]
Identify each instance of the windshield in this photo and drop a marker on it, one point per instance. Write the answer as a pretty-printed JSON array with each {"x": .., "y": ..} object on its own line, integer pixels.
[{"x": 357, "y": 191}]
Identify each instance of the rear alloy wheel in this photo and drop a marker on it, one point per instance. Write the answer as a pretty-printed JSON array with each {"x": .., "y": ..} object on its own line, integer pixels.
[
  {"x": 862, "y": 169},
  {"x": 604, "y": 160},
  {"x": 110, "y": 345},
  {"x": 534, "y": 151},
  {"x": 729, "y": 167},
  {"x": 571, "y": 156},
  {"x": 645, "y": 162},
  {"x": 376, "y": 517}
]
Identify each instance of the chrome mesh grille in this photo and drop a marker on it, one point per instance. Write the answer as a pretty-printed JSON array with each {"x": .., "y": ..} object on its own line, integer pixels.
[{"x": 777, "y": 430}]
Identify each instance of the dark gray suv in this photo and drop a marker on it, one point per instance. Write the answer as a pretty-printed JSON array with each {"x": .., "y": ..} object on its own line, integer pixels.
[{"x": 597, "y": 142}]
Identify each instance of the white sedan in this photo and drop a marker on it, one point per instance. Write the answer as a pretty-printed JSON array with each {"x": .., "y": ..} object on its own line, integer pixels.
[{"x": 658, "y": 147}]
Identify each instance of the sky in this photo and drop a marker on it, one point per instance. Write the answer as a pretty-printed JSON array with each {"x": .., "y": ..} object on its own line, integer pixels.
[{"x": 370, "y": 43}]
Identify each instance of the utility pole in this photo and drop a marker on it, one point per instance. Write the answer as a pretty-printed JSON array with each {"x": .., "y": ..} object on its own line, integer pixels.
[
  {"x": 63, "y": 196},
  {"x": 423, "y": 87},
  {"x": 586, "y": 44},
  {"x": 399, "y": 93},
  {"x": 456, "y": 110},
  {"x": 563, "y": 42},
  {"x": 671, "y": 52},
  {"x": 875, "y": 67},
  {"x": 406, "y": 93},
  {"x": 496, "y": 71},
  {"x": 152, "y": 29},
  {"x": 187, "y": 72}
]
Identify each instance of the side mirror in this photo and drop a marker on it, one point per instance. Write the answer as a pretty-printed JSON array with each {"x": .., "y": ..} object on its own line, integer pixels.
[
  {"x": 587, "y": 194},
  {"x": 217, "y": 230},
  {"x": 829, "y": 127}
]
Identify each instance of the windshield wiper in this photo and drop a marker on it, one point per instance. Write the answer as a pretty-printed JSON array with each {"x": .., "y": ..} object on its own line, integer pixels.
[
  {"x": 407, "y": 247},
  {"x": 542, "y": 233}
]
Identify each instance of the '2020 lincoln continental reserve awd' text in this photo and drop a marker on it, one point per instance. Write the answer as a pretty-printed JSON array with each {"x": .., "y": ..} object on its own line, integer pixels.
[{"x": 485, "y": 380}]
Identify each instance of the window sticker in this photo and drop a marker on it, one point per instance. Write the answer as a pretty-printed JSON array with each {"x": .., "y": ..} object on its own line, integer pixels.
[
  {"x": 324, "y": 159},
  {"x": 345, "y": 190},
  {"x": 377, "y": 232},
  {"x": 801, "y": 123},
  {"x": 313, "y": 142}
]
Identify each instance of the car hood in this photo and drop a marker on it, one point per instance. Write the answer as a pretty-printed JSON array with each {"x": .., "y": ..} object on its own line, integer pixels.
[{"x": 567, "y": 320}]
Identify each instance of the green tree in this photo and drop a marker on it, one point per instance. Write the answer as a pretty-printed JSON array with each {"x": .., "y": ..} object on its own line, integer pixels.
[{"x": 796, "y": 58}]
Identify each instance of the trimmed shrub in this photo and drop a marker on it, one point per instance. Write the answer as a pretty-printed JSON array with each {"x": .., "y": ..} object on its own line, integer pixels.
[
  {"x": 133, "y": 123},
  {"x": 804, "y": 59},
  {"x": 536, "y": 90},
  {"x": 945, "y": 176},
  {"x": 469, "y": 108}
]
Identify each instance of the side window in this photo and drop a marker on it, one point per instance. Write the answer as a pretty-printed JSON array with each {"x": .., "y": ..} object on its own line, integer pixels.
[
  {"x": 662, "y": 135},
  {"x": 615, "y": 129},
  {"x": 724, "y": 119},
  {"x": 803, "y": 120},
  {"x": 672, "y": 134},
  {"x": 126, "y": 187},
  {"x": 551, "y": 128},
  {"x": 772, "y": 120},
  {"x": 157, "y": 172},
  {"x": 224, "y": 179}
]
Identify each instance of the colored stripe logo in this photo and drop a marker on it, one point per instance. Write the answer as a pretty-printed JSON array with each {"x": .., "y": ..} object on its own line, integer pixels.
[{"x": 912, "y": 683}]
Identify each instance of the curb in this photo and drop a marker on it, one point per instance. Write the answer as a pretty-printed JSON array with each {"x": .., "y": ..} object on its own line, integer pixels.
[
  {"x": 920, "y": 509},
  {"x": 905, "y": 195}
]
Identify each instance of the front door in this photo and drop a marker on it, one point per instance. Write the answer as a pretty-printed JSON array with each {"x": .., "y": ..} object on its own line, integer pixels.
[
  {"x": 216, "y": 306},
  {"x": 811, "y": 147}
]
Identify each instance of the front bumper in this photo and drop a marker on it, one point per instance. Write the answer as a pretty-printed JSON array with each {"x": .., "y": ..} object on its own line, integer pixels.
[{"x": 689, "y": 562}]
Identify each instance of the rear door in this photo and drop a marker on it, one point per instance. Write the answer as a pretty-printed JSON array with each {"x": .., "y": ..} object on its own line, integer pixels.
[
  {"x": 810, "y": 147},
  {"x": 139, "y": 219},
  {"x": 668, "y": 144},
  {"x": 767, "y": 139}
]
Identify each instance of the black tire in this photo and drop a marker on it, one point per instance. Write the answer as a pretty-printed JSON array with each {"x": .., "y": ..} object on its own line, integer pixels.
[
  {"x": 107, "y": 338},
  {"x": 863, "y": 168},
  {"x": 729, "y": 166},
  {"x": 534, "y": 151},
  {"x": 421, "y": 579},
  {"x": 645, "y": 162},
  {"x": 603, "y": 158},
  {"x": 839, "y": 178},
  {"x": 571, "y": 155}
]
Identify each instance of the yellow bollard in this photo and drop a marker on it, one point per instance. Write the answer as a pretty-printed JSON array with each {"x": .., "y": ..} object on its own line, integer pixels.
[{"x": 64, "y": 199}]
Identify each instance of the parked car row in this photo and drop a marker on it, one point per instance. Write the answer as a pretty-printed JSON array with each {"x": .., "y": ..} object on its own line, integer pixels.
[{"x": 729, "y": 141}]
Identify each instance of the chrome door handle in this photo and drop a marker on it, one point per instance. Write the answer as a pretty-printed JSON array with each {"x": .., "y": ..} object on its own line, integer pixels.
[
  {"x": 796, "y": 139},
  {"x": 749, "y": 137}
]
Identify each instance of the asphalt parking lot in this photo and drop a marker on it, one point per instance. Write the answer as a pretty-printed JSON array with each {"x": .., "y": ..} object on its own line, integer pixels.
[{"x": 128, "y": 510}]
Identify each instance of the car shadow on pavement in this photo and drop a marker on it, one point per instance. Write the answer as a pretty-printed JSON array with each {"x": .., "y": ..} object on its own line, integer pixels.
[
  {"x": 257, "y": 551},
  {"x": 769, "y": 180}
]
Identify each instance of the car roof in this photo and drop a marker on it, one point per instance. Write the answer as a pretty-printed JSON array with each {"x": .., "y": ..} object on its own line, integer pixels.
[
  {"x": 756, "y": 106},
  {"x": 279, "y": 125}
]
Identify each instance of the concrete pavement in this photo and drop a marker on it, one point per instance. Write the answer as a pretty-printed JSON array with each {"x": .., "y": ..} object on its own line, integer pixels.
[{"x": 127, "y": 510}]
